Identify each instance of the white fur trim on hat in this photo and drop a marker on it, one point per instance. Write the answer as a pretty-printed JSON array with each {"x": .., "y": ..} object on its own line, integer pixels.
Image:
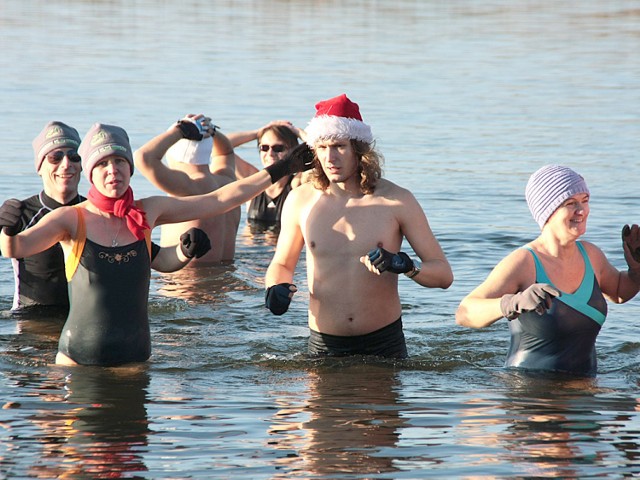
[
  {"x": 191, "y": 151},
  {"x": 328, "y": 126}
]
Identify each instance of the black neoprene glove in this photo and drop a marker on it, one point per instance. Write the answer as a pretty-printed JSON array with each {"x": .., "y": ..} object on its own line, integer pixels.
[
  {"x": 298, "y": 160},
  {"x": 10, "y": 212},
  {"x": 631, "y": 240},
  {"x": 536, "y": 298},
  {"x": 386, "y": 261},
  {"x": 194, "y": 243},
  {"x": 189, "y": 129},
  {"x": 277, "y": 298}
]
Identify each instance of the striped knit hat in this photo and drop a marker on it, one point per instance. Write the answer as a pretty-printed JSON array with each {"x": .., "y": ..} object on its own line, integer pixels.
[
  {"x": 337, "y": 118},
  {"x": 548, "y": 187}
]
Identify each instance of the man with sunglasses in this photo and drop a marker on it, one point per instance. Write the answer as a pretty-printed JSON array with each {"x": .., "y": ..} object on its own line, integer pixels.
[
  {"x": 41, "y": 284},
  {"x": 40, "y": 279}
]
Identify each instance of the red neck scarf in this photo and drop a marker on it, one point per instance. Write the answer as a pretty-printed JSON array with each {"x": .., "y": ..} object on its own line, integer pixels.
[{"x": 122, "y": 207}]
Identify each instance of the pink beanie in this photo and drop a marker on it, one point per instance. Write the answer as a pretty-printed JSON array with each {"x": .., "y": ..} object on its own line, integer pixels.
[
  {"x": 102, "y": 141},
  {"x": 337, "y": 117},
  {"x": 548, "y": 187},
  {"x": 54, "y": 135}
]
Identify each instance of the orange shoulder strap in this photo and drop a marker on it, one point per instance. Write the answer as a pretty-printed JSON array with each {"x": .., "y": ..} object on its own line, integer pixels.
[{"x": 72, "y": 262}]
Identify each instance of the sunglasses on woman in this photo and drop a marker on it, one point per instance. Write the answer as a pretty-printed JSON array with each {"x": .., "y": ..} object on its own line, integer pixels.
[
  {"x": 56, "y": 157},
  {"x": 276, "y": 148}
]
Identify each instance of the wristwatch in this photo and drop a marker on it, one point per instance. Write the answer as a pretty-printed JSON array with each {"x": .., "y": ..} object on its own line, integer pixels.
[{"x": 417, "y": 266}]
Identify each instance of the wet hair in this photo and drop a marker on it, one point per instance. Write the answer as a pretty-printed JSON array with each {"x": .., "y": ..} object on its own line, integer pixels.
[
  {"x": 285, "y": 134},
  {"x": 369, "y": 168}
]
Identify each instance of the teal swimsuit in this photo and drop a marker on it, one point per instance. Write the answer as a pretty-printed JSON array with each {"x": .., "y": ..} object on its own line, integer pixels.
[{"x": 564, "y": 338}]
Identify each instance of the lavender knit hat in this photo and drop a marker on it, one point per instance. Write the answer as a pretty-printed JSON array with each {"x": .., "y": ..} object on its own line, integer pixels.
[
  {"x": 548, "y": 187},
  {"x": 54, "y": 135},
  {"x": 102, "y": 141}
]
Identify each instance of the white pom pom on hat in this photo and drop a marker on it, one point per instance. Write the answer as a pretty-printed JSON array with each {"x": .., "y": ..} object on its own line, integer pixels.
[{"x": 337, "y": 118}]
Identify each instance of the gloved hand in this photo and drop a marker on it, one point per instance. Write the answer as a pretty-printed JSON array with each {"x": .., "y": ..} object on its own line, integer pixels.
[
  {"x": 631, "y": 247},
  {"x": 298, "y": 160},
  {"x": 386, "y": 261},
  {"x": 191, "y": 129},
  {"x": 10, "y": 212},
  {"x": 536, "y": 298},
  {"x": 194, "y": 243},
  {"x": 278, "y": 297}
]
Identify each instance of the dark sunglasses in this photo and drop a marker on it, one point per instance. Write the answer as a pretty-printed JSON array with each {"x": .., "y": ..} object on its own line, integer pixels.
[
  {"x": 275, "y": 148},
  {"x": 56, "y": 157}
]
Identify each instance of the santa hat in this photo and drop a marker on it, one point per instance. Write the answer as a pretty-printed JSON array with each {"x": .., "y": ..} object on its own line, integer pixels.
[{"x": 336, "y": 118}]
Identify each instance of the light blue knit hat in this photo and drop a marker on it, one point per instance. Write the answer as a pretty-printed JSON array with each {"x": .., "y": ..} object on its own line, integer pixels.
[{"x": 548, "y": 187}]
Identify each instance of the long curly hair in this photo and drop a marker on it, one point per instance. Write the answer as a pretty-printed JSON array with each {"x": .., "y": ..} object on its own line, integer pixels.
[{"x": 370, "y": 164}]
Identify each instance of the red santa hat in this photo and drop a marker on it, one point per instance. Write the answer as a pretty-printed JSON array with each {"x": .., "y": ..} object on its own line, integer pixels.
[{"x": 336, "y": 118}]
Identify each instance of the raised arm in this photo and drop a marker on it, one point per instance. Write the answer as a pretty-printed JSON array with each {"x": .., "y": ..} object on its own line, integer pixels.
[
  {"x": 148, "y": 158},
  {"x": 57, "y": 226},
  {"x": 223, "y": 159},
  {"x": 161, "y": 210}
]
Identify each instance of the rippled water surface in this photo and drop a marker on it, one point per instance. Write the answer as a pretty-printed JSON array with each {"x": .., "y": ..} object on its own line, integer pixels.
[{"x": 466, "y": 99}]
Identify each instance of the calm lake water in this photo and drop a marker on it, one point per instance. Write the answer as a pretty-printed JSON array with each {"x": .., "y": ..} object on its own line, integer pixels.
[{"x": 466, "y": 100}]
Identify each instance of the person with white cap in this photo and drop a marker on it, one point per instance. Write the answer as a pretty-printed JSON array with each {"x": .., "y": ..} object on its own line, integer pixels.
[
  {"x": 196, "y": 167},
  {"x": 40, "y": 282},
  {"x": 553, "y": 291},
  {"x": 275, "y": 140},
  {"x": 346, "y": 210},
  {"x": 106, "y": 242}
]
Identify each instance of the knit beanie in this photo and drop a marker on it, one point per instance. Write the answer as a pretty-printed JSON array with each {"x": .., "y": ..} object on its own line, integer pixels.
[
  {"x": 54, "y": 135},
  {"x": 193, "y": 152},
  {"x": 549, "y": 187},
  {"x": 337, "y": 118},
  {"x": 102, "y": 141}
]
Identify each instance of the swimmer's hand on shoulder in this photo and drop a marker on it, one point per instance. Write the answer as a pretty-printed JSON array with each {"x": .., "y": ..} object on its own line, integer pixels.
[
  {"x": 299, "y": 159},
  {"x": 194, "y": 243},
  {"x": 10, "y": 212},
  {"x": 536, "y": 298},
  {"x": 385, "y": 261},
  {"x": 278, "y": 297}
]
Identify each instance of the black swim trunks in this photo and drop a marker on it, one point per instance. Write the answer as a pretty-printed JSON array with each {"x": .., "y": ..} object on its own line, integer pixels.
[{"x": 386, "y": 342}]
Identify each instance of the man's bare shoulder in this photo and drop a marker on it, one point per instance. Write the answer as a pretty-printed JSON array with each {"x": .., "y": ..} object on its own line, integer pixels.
[{"x": 392, "y": 191}]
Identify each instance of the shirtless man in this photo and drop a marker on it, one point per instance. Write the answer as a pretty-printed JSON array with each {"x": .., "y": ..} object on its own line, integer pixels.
[
  {"x": 196, "y": 167},
  {"x": 346, "y": 211}
]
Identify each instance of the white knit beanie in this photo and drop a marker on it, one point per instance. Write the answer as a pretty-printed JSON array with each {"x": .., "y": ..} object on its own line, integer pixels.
[{"x": 548, "y": 187}]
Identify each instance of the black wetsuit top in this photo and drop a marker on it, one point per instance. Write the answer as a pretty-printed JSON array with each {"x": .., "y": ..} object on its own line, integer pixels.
[
  {"x": 40, "y": 279},
  {"x": 564, "y": 338},
  {"x": 264, "y": 210}
]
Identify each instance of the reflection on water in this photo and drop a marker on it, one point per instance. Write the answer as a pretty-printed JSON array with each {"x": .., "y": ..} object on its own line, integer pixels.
[
  {"x": 349, "y": 421},
  {"x": 466, "y": 99}
]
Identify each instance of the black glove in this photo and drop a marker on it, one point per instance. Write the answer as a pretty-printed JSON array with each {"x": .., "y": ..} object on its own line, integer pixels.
[
  {"x": 631, "y": 237},
  {"x": 298, "y": 160},
  {"x": 10, "y": 213},
  {"x": 386, "y": 261},
  {"x": 194, "y": 243},
  {"x": 189, "y": 129},
  {"x": 536, "y": 298},
  {"x": 277, "y": 298}
]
